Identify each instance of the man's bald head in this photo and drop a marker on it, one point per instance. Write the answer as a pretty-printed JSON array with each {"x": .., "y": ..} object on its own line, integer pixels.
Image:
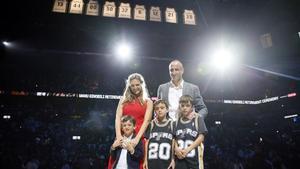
[
  {"x": 176, "y": 71},
  {"x": 176, "y": 62}
]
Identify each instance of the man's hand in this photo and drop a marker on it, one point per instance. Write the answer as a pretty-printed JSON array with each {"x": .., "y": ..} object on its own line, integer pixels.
[
  {"x": 184, "y": 152},
  {"x": 178, "y": 153}
]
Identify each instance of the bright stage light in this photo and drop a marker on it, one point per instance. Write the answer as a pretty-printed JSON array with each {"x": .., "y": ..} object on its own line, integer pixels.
[
  {"x": 290, "y": 116},
  {"x": 222, "y": 59},
  {"x": 5, "y": 43},
  {"x": 6, "y": 116},
  {"x": 292, "y": 94},
  {"x": 217, "y": 122},
  {"x": 124, "y": 51},
  {"x": 75, "y": 137}
]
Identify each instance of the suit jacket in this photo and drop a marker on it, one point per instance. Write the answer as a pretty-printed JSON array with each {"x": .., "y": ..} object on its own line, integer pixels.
[
  {"x": 188, "y": 89},
  {"x": 133, "y": 160}
]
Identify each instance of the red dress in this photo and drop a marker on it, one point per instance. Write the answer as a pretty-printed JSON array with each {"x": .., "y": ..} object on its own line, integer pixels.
[{"x": 137, "y": 111}]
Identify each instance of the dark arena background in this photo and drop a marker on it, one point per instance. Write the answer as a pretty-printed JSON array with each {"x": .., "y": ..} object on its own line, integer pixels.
[{"x": 61, "y": 75}]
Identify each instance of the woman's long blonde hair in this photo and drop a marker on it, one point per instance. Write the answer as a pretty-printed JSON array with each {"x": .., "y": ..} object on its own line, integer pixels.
[{"x": 128, "y": 96}]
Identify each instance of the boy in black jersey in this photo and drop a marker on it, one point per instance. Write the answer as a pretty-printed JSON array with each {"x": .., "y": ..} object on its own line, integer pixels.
[
  {"x": 159, "y": 139},
  {"x": 189, "y": 134}
]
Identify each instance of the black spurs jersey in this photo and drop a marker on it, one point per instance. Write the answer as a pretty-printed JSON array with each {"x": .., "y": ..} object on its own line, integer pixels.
[
  {"x": 160, "y": 137},
  {"x": 186, "y": 132}
]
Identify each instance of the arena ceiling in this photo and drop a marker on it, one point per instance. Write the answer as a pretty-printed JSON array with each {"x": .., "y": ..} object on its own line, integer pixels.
[{"x": 35, "y": 29}]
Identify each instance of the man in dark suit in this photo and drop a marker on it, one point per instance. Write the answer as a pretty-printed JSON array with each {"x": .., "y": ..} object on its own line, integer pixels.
[{"x": 173, "y": 90}]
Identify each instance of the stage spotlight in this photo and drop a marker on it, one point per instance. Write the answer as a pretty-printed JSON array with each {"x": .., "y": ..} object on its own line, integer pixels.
[
  {"x": 6, "y": 117},
  {"x": 291, "y": 116},
  {"x": 218, "y": 122},
  {"x": 222, "y": 59},
  {"x": 75, "y": 137},
  {"x": 5, "y": 43},
  {"x": 123, "y": 50}
]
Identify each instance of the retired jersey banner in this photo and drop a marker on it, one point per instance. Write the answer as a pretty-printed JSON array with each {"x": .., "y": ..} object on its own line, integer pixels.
[
  {"x": 124, "y": 11},
  {"x": 140, "y": 12},
  {"x": 155, "y": 14},
  {"x": 60, "y": 6},
  {"x": 76, "y": 7},
  {"x": 189, "y": 17},
  {"x": 92, "y": 8},
  {"x": 110, "y": 8},
  {"x": 171, "y": 15}
]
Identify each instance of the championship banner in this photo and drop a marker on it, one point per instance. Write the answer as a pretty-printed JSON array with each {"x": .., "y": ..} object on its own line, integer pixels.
[
  {"x": 155, "y": 14},
  {"x": 60, "y": 6},
  {"x": 92, "y": 8},
  {"x": 109, "y": 9},
  {"x": 76, "y": 7},
  {"x": 140, "y": 12},
  {"x": 124, "y": 11},
  {"x": 171, "y": 15},
  {"x": 189, "y": 17}
]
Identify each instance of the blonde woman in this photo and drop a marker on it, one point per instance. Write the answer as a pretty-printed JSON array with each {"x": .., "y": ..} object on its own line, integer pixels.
[{"x": 136, "y": 103}]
